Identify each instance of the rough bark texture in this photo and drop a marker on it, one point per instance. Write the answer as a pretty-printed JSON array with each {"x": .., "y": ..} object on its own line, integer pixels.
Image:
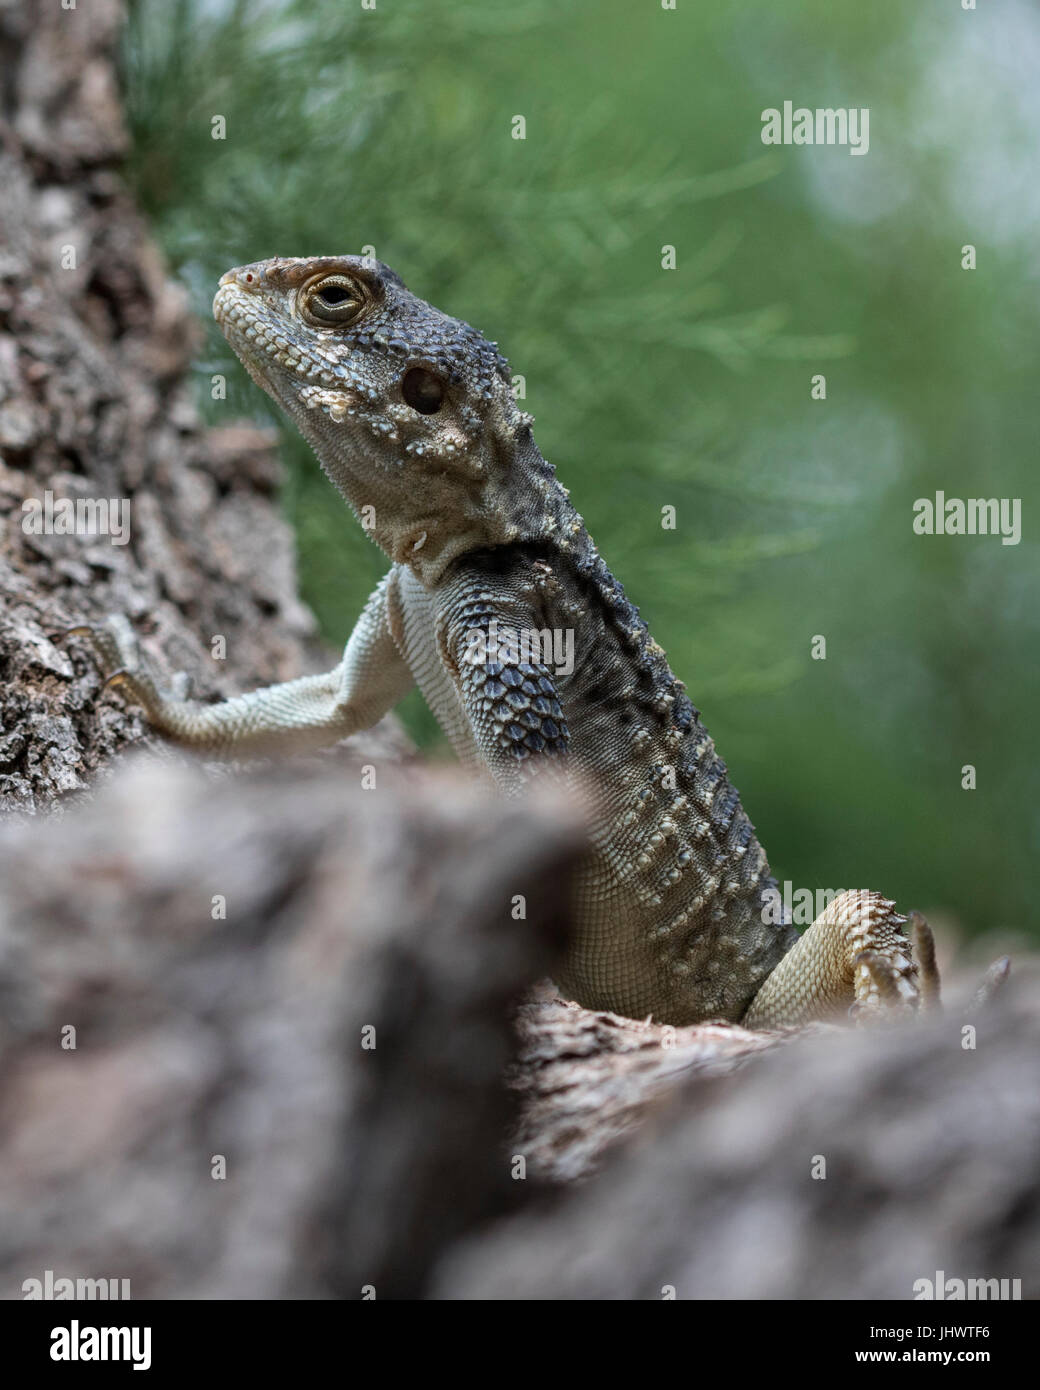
[
  {"x": 340, "y": 1038},
  {"x": 588, "y": 1080},
  {"x": 95, "y": 404},
  {"x": 932, "y": 1156}
]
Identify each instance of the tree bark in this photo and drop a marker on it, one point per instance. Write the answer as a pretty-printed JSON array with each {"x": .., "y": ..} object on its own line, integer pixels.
[
  {"x": 253, "y": 1032},
  {"x": 848, "y": 1167},
  {"x": 96, "y": 404}
]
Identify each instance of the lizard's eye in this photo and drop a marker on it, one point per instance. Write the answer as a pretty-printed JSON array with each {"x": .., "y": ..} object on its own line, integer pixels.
[
  {"x": 422, "y": 391},
  {"x": 334, "y": 300}
]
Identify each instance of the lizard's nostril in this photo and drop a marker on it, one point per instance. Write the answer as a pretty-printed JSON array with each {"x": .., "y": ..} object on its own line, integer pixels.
[{"x": 239, "y": 276}]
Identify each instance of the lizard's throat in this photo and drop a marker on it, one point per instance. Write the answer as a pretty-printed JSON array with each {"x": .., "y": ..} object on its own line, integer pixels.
[
  {"x": 426, "y": 517},
  {"x": 419, "y": 517}
]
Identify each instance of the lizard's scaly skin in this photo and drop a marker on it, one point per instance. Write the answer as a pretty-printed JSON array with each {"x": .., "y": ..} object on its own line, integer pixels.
[{"x": 411, "y": 414}]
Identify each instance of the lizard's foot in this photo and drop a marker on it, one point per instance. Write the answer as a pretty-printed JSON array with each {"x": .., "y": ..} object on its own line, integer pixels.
[
  {"x": 888, "y": 976},
  {"x": 309, "y": 712},
  {"x": 855, "y": 959},
  {"x": 882, "y": 994},
  {"x": 115, "y": 649}
]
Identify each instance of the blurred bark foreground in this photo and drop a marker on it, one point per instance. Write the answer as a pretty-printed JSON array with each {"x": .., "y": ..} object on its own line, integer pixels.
[
  {"x": 267, "y": 1035},
  {"x": 289, "y": 1007},
  {"x": 254, "y": 1035}
]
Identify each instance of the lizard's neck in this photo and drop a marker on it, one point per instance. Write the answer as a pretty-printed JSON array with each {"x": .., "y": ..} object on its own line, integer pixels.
[{"x": 506, "y": 493}]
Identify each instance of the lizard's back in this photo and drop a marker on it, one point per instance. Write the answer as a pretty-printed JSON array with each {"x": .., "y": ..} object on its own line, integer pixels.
[{"x": 669, "y": 902}]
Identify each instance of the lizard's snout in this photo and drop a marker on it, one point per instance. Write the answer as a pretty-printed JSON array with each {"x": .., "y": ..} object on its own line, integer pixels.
[
  {"x": 228, "y": 302},
  {"x": 247, "y": 276}
]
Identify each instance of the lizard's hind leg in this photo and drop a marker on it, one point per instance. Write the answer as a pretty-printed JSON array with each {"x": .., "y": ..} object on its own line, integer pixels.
[{"x": 854, "y": 959}]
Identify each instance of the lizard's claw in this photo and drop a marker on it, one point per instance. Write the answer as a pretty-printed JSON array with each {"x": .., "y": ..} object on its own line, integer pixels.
[
  {"x": 887, "y": 982},
  {"x": 115, "y": 649},
  {"x": 881, "y": 987},
  {"x": 991, "y": 985},
  {"x": 927, "y": 969}
]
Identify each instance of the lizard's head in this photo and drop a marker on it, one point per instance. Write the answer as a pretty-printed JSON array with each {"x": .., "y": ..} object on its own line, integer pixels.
[{"x": 409, "y": 411}]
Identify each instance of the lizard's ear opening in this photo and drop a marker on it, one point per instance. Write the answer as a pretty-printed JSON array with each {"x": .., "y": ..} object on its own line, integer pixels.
[{"x": 422, "y": 391}]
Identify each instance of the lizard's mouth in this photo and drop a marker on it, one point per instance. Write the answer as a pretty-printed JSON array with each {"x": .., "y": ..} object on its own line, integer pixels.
[
  {"x": 237, "y": 312},
  {"x": 236, "y": 315},
  {"x": 259, "y": 338}
]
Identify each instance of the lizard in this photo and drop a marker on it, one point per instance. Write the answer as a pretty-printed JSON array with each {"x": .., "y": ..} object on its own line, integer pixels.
[{"x": 412, "y": 415}]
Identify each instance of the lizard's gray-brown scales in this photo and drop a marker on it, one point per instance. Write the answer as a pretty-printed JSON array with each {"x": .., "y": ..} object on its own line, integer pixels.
[{"x": 411, "y": 414}]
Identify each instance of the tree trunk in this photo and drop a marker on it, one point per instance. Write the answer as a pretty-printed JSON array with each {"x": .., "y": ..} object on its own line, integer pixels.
[{"x": 96, "y": 407}]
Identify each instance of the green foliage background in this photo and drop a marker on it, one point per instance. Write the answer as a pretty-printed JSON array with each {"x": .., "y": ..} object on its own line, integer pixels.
[{"x": 392, "y": 128}]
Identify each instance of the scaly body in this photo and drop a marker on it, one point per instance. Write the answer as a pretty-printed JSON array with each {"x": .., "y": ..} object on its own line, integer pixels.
[{"x": 411, "y": 414}]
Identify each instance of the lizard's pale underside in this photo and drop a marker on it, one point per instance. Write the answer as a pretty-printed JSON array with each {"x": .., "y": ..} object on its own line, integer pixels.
[{"x": 412, "y": 416}]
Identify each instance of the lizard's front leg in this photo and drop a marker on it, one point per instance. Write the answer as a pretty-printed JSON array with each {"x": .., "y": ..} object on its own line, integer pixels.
[
  {"x": 508, "y": 692},
  {"x": 298, "y": 715},
  {"x": 855, "y": 957}
]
